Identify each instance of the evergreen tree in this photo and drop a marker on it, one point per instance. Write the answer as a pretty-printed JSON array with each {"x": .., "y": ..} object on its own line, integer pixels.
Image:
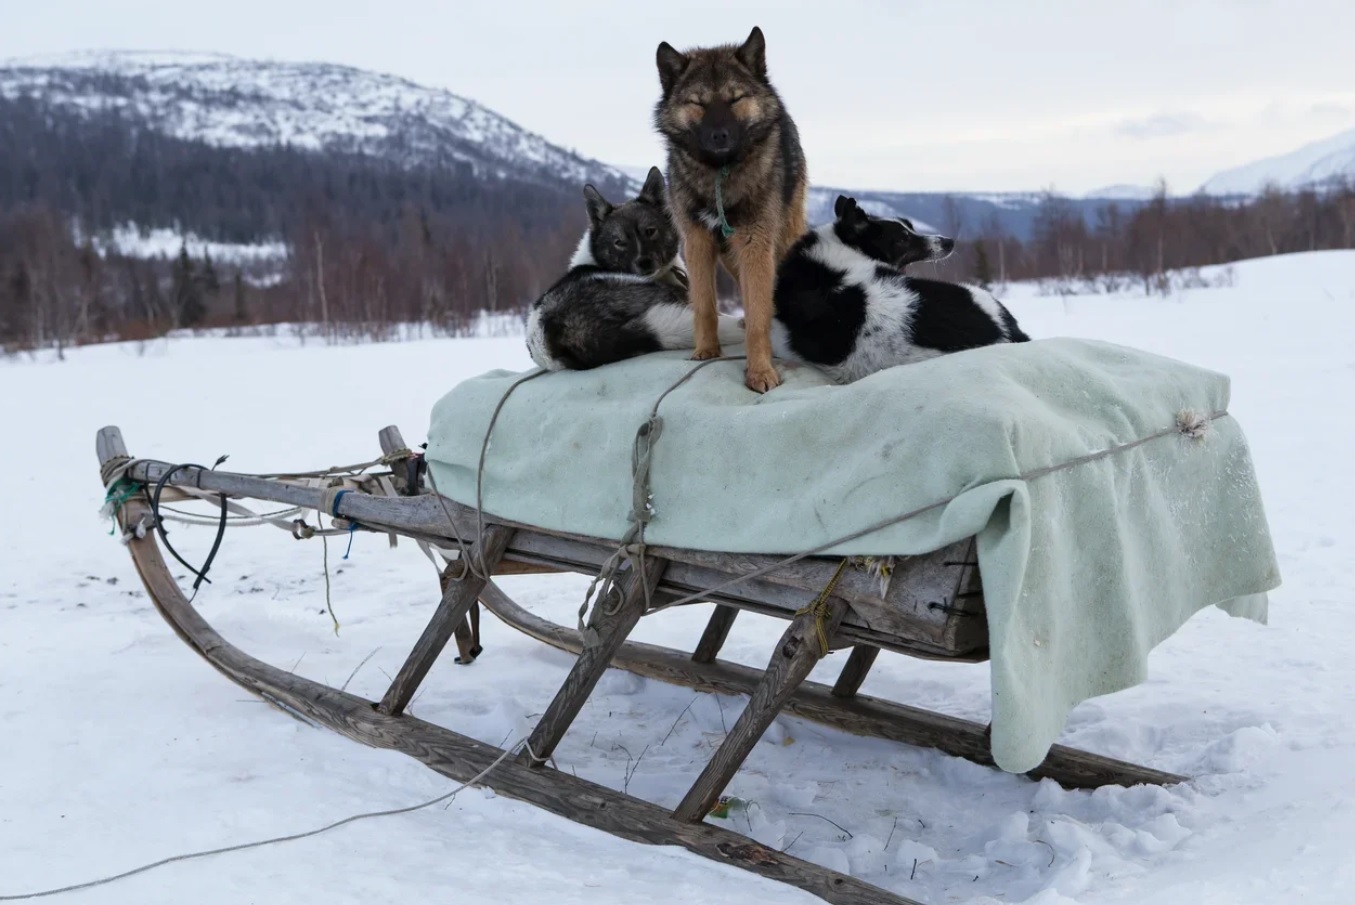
[
  {"x": 238, "y": 290},
  {"x": 188, "y": 304},
  {"x": 983, "y": 268},
  {"x": 211, "y": 284}
]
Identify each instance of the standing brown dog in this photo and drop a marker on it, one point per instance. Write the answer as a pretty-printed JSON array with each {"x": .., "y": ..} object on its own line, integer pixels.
[{"x": 736, "y": 183}]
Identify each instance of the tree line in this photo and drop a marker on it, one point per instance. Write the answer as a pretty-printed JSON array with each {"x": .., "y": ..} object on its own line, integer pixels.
[
  {"x": 373, "y": 245},
  {"x": 1150, "y": 245}
]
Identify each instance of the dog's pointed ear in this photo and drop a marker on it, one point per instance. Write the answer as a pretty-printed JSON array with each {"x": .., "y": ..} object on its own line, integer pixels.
[
  {"x": 845, "y": 208},
  {"x": 598, "y": 208},
  {"x": 671, "y": 66},
  {"x": 653, "y": 188},
  {"x": 753, "y": 53}
]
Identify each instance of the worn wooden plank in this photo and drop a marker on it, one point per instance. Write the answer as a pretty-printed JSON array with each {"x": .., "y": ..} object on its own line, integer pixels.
[
  {"x": 917, "y": 606},
  {"x": 717, "y": 630},
  {"x": 917, "y": 596},
  {"x": 968, "y": 622},
  {"x": 456, "y": 602},
  {"x": 462, "y": 759},
  {"x": 516, "y": 567},
  {"x": 612, "y": 621},
  {"x": 403, "y": 471},
  {"x": 916, "y": 612},
  {"x": 795, "y": 655},
  {"x": 900, "y": 632},
  {"x": 108, "y": 444},
  {"x": 854, "y": 673},
  {"x": 859, "y": 715}
]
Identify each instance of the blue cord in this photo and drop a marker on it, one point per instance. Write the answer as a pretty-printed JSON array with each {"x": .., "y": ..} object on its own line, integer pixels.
[{"x": 352, "y": 525}]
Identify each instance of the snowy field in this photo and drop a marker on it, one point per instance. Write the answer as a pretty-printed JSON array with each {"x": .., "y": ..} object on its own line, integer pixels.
[{"x": 120, "y": 747}]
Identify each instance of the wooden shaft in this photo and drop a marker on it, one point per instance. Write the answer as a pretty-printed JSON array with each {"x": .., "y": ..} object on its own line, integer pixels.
[
  {"x": 795, "y": 656},
  {"x": 612, "y": 622},
  {"x": 717, "y": 630},
  {"x": 452, "y": 609},
  {"x": 854, "y": 673},
  {"x": 920, "y": 611}
]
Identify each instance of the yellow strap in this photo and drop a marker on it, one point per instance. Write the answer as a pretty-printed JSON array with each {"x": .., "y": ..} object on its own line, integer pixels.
[{"x": 819, "y": 608}]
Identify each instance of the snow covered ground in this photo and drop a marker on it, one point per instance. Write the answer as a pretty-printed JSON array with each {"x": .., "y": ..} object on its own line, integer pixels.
[{"x": 120, "y": 747}]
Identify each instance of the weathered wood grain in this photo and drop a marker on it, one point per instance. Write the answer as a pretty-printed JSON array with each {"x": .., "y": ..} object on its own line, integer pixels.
[
  {"x": 854, "y": 673},
  {"x": 461, "y": 594},
  {"x": 462, "y": 758},
  {"x": 859, "y": 715},
  {"x": 795, "y": 655},
  {"x": 612, "y": 621},
  {"x": 918, "y": 610},
  {"x": 717, "y": 630}
]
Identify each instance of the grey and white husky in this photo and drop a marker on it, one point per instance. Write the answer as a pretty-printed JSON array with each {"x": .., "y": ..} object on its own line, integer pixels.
[{"x": 626, "y": 290}]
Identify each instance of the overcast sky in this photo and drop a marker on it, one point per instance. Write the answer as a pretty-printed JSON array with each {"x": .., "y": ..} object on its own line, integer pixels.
[{"x": 888, "y": 94}]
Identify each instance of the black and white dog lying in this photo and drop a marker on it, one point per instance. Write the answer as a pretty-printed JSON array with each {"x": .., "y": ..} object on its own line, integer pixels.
[
  {"x": 626, "y": 290},
  {"x": 844, "y": 305}
]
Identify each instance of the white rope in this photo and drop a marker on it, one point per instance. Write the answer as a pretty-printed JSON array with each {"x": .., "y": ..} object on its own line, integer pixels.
[
  {"x": 249, "y": 517},
  {"x": 262, "y": 842}
]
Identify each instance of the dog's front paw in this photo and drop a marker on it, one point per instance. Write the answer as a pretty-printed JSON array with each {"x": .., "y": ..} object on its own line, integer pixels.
[
  {"x": 761, "y": 378},
  {"x": 704, "y": 353}
]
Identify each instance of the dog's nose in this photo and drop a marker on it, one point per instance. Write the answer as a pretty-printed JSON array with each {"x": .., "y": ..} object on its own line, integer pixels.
[
  {"x": 947, "y": 245},
  {"x": 719, "y": 139},
  {"x": 644, "y": 265}
]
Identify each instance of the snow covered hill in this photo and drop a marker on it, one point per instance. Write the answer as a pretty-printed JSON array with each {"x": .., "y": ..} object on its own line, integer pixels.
[
  {"x": 1312, "y": 164},
  {"x": 235, "y": 102}
]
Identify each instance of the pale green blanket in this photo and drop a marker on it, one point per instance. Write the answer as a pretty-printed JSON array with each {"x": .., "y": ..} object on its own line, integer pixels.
[{"x": 1085, "y": 568}]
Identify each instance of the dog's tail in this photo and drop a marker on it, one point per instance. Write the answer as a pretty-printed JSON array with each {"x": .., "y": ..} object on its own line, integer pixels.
[{"x": 673, "y": 325}]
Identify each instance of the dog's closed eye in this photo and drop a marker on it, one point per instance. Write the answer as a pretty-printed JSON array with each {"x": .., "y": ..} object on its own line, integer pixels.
[{"x": 651, "y": 232}]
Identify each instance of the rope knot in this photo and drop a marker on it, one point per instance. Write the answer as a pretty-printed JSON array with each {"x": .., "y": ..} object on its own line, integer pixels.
[
  {"x": 1193, "y": 424},
  {"x": 819, "y": 609}
]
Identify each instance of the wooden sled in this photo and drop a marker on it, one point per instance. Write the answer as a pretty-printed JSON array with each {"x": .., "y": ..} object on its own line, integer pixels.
[{"x": 933, "y": 609}]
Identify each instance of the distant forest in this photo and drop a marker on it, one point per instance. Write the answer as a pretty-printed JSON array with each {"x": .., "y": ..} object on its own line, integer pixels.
[{"x": 373, "y": 244}]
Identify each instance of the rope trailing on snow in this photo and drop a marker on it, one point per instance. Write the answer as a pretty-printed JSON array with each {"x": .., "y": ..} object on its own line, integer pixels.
[{"x": 273, "y": 841}]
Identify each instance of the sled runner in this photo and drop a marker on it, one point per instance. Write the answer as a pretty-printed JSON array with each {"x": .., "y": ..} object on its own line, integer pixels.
[{"x": 936, "y": 604}]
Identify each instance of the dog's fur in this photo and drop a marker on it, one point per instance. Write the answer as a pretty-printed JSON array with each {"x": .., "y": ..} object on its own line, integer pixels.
[
  {"x": 625, "y": 293},
  {"x": 718, "y": 109},
  {"x": 844, "y": 305}
]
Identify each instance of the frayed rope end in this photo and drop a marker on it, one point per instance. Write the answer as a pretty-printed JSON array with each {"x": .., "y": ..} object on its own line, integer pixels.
[{"x": 1193, "y": 424}]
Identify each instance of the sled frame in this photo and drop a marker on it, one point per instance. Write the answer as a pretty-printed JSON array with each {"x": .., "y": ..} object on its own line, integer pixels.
[{"x": 933, "y": 608}]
